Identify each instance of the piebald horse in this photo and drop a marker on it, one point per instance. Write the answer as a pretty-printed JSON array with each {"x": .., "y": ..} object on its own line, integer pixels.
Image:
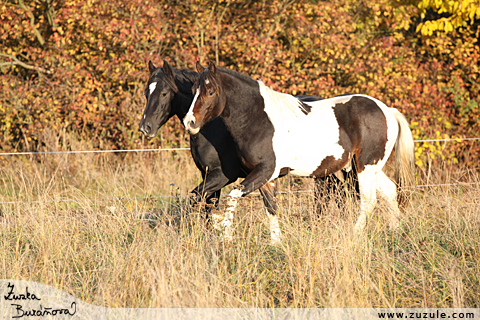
[
  {"x": 169, "y": 93},
  {"x": 277, "y": 133}
]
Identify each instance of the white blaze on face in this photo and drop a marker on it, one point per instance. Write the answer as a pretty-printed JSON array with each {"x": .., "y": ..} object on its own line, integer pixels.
[
  {"x": 152, "y": 87},
  {"x": 190, "y": 117}
]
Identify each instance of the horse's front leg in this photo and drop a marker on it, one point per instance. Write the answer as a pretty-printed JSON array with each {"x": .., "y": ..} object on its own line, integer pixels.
[
  {"x": 268, "y": 193},
  {"x": 210, "y": 190},
  {"x": 260, "y": 175}
]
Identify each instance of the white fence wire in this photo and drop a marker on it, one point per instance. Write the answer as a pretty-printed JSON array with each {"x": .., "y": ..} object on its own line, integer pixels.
[
  {"x": 186, "y": 149},
  {"x": 177, "y": 149},
  {"x": 90, "y": 151}
]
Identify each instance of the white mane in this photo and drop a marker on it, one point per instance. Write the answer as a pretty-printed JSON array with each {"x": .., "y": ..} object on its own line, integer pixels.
[{"x": 281, "y": 107}]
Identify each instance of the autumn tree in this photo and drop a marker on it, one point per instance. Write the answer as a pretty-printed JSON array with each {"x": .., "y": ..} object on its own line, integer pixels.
[
  {"x": 449, "y": 14},
  {"x": 78, "y": 67}
]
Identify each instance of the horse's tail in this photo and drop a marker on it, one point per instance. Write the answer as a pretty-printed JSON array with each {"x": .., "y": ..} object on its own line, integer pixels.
[{"x": 404, "y": 158}]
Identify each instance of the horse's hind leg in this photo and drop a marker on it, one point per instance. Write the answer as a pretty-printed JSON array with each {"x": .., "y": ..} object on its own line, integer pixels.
[
  {"x": 387, "y": 190},
  {"x": 367, "y": 181},
  {"x": 268, "y": 193},
  {"x": 324, "y": 188}
]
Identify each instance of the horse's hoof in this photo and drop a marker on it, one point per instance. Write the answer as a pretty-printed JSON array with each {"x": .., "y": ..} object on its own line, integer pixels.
[
  {"x": 275, "y": 242},
  {"x": 360, "y": 225},
  {"x": 217, "y": 222},
  {"x": 226, "y": 237},
  {"x": 394, "y": 223}
]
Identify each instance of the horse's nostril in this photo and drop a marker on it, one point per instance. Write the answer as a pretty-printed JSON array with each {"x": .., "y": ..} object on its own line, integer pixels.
[
  {"x": 145, "y": 128},
  {"x": 191, "y": 124}
]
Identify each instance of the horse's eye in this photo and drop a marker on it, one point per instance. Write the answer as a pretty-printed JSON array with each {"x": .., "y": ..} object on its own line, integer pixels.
[
  {"x": 211, "y": 92},
  {"x": 164, "y": 94}
]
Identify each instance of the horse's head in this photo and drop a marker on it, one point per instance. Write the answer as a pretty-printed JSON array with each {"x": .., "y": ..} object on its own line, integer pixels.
[
  {"x": 160, "y": 91},
  {"x": 209, "y": 100}
]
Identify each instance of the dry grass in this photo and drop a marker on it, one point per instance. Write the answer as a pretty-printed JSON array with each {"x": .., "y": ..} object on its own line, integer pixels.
[{"x": 111, "y": 253}]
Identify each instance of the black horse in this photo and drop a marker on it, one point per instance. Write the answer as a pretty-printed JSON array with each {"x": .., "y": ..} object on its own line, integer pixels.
[{"x": 169, "y": 93}]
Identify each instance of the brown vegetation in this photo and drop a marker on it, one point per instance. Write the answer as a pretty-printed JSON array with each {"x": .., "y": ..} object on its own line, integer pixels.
[
  {"x": 112, "y": 230},
  {"x": 132, "y": 251}
]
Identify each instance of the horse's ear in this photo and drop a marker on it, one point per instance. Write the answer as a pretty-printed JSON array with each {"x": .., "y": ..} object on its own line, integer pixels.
[
  {"x": 200, "y": 68},
  {"x": 167, "y": 70},
  {"x": 169, "y": 75},
  {"x": 151, "y": 66},
  {"x": 211, "y": 67}
]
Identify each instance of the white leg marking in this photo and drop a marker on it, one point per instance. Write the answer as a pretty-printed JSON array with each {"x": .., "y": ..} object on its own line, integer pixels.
[
  {"x": 217, "y": 220},
  {"x": 388, "y": 191},
  {"x": 367, "y": 181},
  {"x": 152, "y": 87},
  {"x": 226, "y": 223},
  {"x": 275, "y": 233}
]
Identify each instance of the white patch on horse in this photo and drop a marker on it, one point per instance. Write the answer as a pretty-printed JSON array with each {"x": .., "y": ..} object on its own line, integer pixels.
[
  {"x": 152, "y": 87},
  {"x": 387, "y": 190},
  {"x": 301, "y": 142},
  {"x": 372, "y": 179},
  {"x": 207, "y": 81},
  {"x": 190, "y": 117},
  {"x": 275, "y": 233},
  {"x": 367, "y": 181},
  {"x": 280, "y": 107},
  {"x": 227, "y": 222}
]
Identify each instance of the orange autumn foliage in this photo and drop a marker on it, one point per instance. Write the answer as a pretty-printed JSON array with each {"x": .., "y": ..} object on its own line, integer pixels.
[{"x": 80, "y": 67}]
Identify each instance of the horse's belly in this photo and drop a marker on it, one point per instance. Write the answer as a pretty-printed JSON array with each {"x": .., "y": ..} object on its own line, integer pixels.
[{"x": 300, "y": 173}]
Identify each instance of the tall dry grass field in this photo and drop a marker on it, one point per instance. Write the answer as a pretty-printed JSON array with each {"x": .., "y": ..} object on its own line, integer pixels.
[{"x": 96, "y": 227}]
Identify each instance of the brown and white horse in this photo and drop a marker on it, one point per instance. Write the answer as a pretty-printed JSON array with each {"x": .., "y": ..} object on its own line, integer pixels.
[
  {"x": 277, "y": 133},
  {"x": 169, "y": 93}
]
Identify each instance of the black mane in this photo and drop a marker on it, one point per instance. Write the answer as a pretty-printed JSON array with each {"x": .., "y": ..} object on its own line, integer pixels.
[
  {"x": 184, "y": 79},
  {"x": 185, "y": 75},
  {"x": 239, "y": 75},
  {"x": 207, "y": 75}
]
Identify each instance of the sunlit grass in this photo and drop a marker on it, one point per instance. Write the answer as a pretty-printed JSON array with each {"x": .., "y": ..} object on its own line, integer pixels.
[{"x": 99, "y": 229}]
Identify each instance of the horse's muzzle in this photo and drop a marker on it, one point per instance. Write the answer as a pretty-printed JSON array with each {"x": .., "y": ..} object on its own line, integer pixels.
[
  {"x": 146, "y": 130},
  {"x": 190, "y": 124}
]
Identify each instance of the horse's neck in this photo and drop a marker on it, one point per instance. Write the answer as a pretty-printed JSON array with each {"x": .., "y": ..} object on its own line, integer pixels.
[
  {"x": 238, "y": 113},
  {"x": 181, "y": 104},
  {"x": 183, "y": 99}
]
